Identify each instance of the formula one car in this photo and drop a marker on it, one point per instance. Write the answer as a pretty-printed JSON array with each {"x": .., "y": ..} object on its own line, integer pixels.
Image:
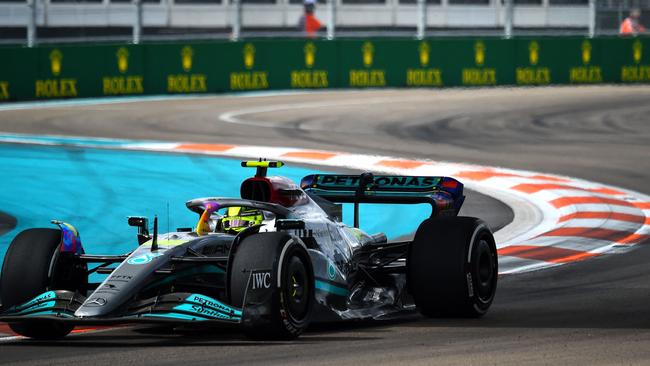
[{"x": 271, "y": 262}]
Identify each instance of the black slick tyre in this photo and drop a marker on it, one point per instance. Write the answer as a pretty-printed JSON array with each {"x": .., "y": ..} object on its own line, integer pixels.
[
  {"x": 31, "y": 267},
  {"x": 292, "y": 299},
  {"x": 452, "y": 267}
]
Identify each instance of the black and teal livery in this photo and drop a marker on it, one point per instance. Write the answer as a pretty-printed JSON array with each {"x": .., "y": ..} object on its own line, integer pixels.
[{"x": 299, "y": 263}]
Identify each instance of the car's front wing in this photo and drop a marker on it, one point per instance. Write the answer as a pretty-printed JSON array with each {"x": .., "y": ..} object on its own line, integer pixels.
[{"x": 175, "y": 307}]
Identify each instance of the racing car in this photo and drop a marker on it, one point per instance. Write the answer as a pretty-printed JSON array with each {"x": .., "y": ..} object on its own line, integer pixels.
[{"x": 271, "y": 262}]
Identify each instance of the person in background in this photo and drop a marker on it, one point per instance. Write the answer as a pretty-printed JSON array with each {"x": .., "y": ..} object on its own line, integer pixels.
[
  {"x": 308, "y": 21},
  {"x": 631, "y": 24}
]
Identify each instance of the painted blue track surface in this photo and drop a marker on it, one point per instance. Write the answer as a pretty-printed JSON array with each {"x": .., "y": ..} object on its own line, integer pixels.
[{"x": 96, "y": 189}]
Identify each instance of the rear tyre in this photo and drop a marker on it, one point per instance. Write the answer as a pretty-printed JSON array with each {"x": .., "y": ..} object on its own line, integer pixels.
[
  {"x": 452, "y": 267},
  {"x": 291, "y": 303},
  {"x": 26, "y": 274}
]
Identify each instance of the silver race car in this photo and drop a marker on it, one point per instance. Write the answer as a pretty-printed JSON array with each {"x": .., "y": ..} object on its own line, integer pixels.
[{"x": 271, "y": 262}]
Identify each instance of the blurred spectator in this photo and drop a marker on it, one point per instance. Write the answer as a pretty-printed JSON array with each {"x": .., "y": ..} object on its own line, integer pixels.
[
  {"x": 308, "y": 22},
  {"x": 631, "y": 25}
]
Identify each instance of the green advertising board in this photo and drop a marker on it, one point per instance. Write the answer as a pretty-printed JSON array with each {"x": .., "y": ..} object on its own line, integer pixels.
[
  {"x": 68, "y": 72},
  {"x": 479, "y": 62},
  {"x": 581, "y": 61},
  {"x": 391, "y": 63},
  {"x": 310, "y": 65},
  {"x": 626, "y": 60},
  {"x": 184, "y": 68},
  {"x": 367, "y": 63},
  {"x": 18, "y": 73},
  {"x": 536, "y": 62},
  {"x": 289, "y": 64},
  {"x": 73, "y": 71},
  {"x": 123, "y": 70}
]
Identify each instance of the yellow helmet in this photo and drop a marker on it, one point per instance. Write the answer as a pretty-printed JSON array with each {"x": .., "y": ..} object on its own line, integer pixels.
[{"x": 237, "y": 219}]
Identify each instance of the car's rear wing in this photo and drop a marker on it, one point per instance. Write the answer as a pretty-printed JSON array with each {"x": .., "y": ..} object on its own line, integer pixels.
[{"x": 445, "y": 194}]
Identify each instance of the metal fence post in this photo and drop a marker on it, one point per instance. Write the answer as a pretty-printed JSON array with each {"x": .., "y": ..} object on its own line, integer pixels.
[
  {"x": 509, "y": 18},
  {"x": 236, "y": 20},
  {"x": 422, "y": 19},
  {"x": 137, "y": 26},
  {"x": 31, "y": 23},
  {"x": 331, "y": 19},
  {"x": 168, "y": 13},
  {"x": 592, "y": 18}
]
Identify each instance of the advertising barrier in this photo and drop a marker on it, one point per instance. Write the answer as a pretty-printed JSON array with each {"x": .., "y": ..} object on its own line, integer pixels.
[{"x": 75, "y": 71}]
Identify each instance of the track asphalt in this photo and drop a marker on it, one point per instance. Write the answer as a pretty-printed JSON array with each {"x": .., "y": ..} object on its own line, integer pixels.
[{"x": 593, "y": 312}]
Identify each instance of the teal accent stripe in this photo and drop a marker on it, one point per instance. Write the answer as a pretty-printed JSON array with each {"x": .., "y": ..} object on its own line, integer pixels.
[
  {"x": 51, "y": 312},
  {"x": 175, "y": 316},
  {"x": 36, "y": 307},
  {"x": 328, "y": 287},
  {"x": 50, "y": 295},
  {"x": 205, "y": 312},
  {"x": 215, "y": 304}
]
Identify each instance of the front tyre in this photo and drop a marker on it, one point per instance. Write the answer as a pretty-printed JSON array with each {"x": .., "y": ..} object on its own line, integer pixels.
[
  {"x": 31, "y": 267},
  {"x": 291, "y": 302},
  {"x": 452, "y": 267}
]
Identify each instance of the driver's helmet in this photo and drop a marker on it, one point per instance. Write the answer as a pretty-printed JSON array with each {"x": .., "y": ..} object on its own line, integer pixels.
[{"x": 237, "y": 219}]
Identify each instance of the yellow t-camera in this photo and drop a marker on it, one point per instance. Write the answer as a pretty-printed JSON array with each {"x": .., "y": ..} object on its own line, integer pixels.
[{"x": 262, "y": 166}]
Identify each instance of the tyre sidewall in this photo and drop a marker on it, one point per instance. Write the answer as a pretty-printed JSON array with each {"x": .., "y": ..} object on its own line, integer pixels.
[
  {"x": 293, "y": 326},
  {"x": 272, "y": 251},
  {"x": 27, "y": 264},
  {"x": 442, "y": 272},
  {"x": 30, "y": 264},
  {"x": 481, "y": 241}
]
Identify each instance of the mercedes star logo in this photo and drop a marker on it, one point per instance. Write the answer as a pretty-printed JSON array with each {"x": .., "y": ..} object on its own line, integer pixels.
[{"x": 98, "y": 301}]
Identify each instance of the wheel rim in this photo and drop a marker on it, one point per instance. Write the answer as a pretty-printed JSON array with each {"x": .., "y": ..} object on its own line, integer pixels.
[
  {"x": 296, "y": 290},
  {"x": 485, "y": 271}
]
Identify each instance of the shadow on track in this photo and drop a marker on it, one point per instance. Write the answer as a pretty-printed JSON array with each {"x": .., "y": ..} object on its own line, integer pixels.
[{"x": 168, "y": 337}]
